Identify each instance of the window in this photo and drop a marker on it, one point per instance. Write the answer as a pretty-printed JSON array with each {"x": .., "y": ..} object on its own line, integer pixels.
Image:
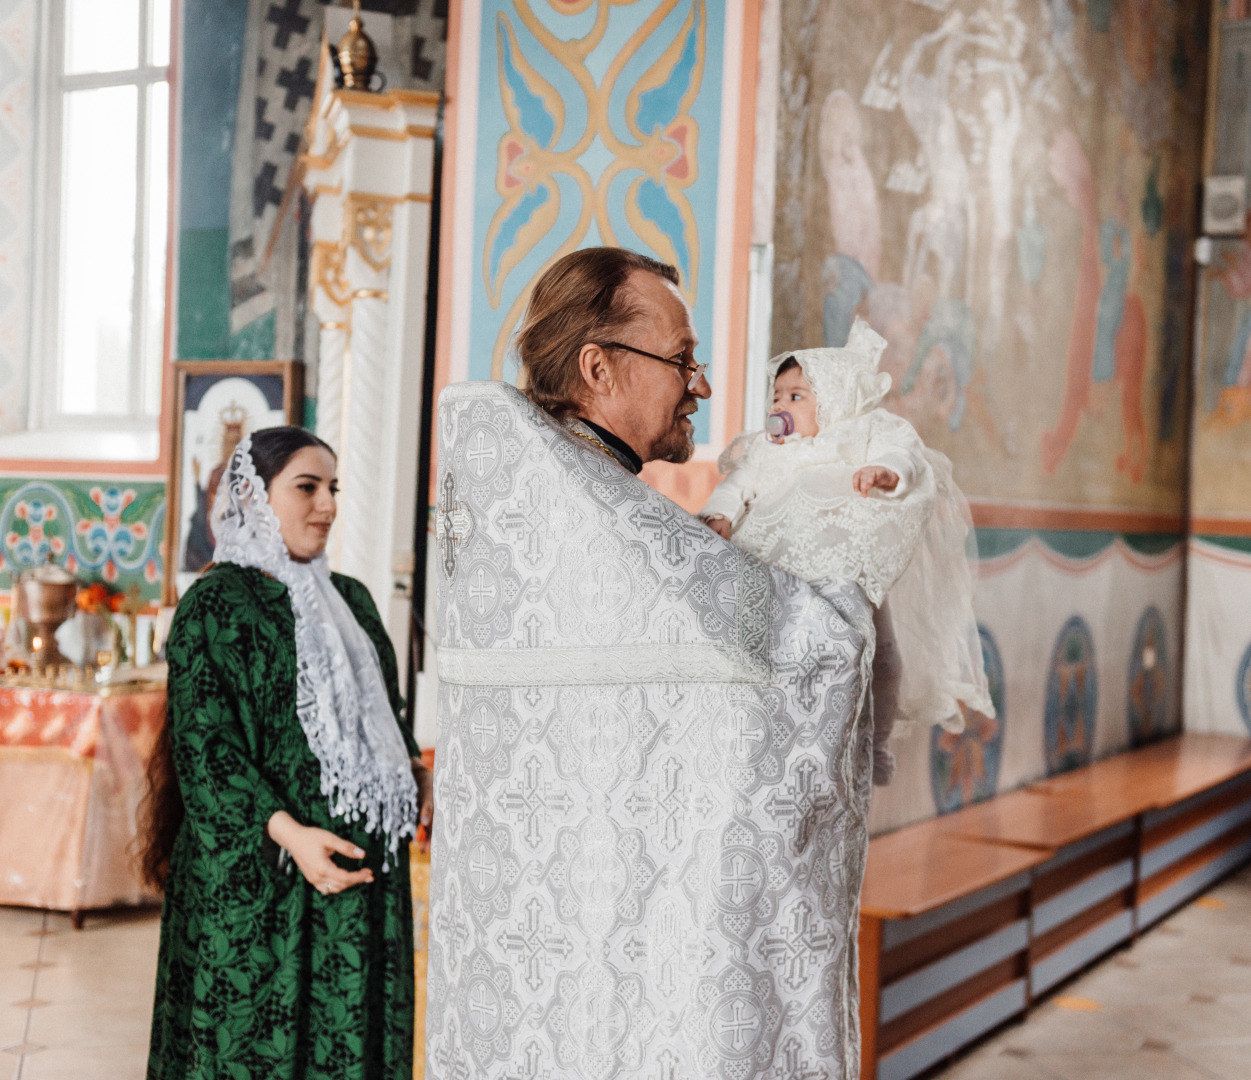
[{"x": 98, "y": 335}]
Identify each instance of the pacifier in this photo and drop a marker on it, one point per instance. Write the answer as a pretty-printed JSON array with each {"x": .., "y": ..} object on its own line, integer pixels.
[{"x": 779, "y": 425}]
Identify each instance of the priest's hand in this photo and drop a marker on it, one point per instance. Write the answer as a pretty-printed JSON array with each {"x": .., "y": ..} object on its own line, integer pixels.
[
  {"x": 310, "y": 849},
  {"x": 875, "y": 476},
  {"x": 719, "y": 524},
  {"x": 425, "y": 797}
]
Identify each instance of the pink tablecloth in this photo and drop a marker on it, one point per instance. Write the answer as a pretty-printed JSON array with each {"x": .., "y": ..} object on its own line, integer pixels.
[{"x": 71, "y": 777}]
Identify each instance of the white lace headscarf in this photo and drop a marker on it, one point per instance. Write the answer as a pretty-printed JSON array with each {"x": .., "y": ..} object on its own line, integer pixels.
[{"x": 340, "y": 697}]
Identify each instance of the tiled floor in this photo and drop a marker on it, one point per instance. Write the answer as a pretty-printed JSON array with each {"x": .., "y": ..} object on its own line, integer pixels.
[
  {"x": 75, "y": 1005},
  {"x": 1176, "y": 1005}
]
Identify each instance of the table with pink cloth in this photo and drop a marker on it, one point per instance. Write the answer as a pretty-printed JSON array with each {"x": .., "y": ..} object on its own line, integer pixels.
[{"x": 72, "y": 773}]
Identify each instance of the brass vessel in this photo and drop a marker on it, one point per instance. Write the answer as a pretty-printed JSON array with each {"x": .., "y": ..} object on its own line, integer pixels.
[
  {"x": 358, "y": 58},
  {"x": 46, "y": 597}
]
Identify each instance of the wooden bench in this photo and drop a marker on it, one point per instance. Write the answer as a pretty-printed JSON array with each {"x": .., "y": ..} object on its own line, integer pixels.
[{"x": 965, "y": 919}]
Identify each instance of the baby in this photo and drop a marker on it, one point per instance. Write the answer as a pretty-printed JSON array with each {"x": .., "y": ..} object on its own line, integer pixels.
[{"x": 839, "y": 488}]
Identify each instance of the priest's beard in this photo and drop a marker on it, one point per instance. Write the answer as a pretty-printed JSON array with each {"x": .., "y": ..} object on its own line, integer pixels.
[{"x": 678, "y": 443}]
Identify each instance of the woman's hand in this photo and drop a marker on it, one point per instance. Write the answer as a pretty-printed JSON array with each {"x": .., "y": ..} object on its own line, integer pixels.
[
  {"x": 425, "y": 797},
  {"x": 875, "y": 476},
  {"x": 311, "y": 850},
  {"x": 719, "y": 524}
]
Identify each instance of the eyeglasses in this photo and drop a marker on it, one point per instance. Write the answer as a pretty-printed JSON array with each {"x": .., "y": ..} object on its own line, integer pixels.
[{"x": 695, "y": 371}]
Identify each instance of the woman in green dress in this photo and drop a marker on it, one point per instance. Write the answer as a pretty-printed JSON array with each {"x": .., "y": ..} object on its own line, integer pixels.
[{"x": 281, "y": 801}]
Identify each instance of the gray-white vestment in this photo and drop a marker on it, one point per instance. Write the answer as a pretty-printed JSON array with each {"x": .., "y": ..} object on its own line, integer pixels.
[{"x": 651, "y": 778}]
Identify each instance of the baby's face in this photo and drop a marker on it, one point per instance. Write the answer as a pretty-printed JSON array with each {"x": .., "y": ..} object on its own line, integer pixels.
[{"x": 791, "y": 393}]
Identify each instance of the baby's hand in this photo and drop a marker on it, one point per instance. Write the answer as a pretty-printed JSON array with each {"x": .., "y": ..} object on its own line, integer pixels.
[
  {"x": 720, "y": 525},
  {"x": 874, "y": 476}
]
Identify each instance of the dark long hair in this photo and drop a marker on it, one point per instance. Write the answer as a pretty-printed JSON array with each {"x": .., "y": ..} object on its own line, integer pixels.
[{"x": 161, "y": 812}]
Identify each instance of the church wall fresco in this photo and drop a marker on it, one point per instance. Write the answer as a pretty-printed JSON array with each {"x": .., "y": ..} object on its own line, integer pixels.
[
  {"x": 1221, "y": 472},
  {"x": 1082, "y": 650},
  {"x": 1218, "y": 628},
  {"x": 1004, "y": 190}
]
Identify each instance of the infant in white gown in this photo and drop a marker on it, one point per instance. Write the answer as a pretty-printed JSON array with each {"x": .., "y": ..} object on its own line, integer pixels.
[{"x": 859, "y": 496}]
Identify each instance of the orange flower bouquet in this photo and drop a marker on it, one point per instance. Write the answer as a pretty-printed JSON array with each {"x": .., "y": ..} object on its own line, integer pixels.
[{"x": 98, "y": 605}]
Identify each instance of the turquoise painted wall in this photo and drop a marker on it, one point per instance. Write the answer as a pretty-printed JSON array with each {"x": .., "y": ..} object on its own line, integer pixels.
[{"x": 109, "y": 531}]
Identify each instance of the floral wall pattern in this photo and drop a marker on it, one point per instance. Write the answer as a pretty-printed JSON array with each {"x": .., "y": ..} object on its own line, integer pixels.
[
  {"x": 108, "y": 531},
  {"x": 1005, "y": 190},
  {"x": 596, "y": 124}
]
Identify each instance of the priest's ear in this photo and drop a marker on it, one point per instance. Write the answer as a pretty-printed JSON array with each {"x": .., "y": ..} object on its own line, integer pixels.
[{"x": 600, "y": 371}]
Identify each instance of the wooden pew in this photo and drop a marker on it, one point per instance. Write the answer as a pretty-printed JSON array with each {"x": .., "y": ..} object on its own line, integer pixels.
[
  {"x": 944, "y": 938},
  {"x": 966, "y": 918}
]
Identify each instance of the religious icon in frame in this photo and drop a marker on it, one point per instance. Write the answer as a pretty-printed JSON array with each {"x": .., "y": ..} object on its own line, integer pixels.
[{"x": 218, "y": 404}]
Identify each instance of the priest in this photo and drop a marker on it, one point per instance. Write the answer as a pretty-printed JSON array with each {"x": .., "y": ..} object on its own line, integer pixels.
[{"x": 654, "y": 752}]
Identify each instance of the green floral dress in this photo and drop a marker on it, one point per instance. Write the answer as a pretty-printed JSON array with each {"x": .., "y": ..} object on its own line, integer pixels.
[{"x": 260, "y": 976}]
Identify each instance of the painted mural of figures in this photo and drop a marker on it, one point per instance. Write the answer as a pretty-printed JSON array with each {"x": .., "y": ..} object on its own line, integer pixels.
[
  {"x": 1001, "y": 108},
  {"x": 902, "y": 316},
  {"x": 1070, "y": 169},
  {"x": 950, "y": 327},
  {"x": 1233, "y": 401},
  {"x": 941, "y": 229},
  {"x": 1114, "y": 254},
  {"x": 1059, "y": 48},
  {"x": 844, "y": 285},
  {"x": 1178, "y": 288},
  {"x": 855, "y": 218},
  {"x": 1132, "y": 343},
  {"x": 1108, "y": 337}
]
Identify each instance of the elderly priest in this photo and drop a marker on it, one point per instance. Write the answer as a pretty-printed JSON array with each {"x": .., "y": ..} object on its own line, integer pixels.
[{"x": 653, "y": 760}]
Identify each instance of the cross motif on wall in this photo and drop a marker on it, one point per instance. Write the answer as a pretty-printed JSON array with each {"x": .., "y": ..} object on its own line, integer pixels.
[
  {"x": 298, "y": 82},
  {"x": 452, "y": 525},
  {"x": 288, "y": 20}
]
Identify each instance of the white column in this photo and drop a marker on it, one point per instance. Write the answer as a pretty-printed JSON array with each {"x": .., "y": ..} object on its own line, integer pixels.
[{"x": 370, "y": 173}]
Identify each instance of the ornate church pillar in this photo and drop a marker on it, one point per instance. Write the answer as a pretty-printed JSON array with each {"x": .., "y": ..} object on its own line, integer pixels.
[{"x": 369, "y": 172}]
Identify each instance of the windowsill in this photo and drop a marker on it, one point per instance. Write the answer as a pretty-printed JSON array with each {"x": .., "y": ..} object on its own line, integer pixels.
[{"x": 123, "y": 446}]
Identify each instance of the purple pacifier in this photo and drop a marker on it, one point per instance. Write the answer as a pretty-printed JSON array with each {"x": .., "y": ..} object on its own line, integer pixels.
[{"x": 779, "y": 425}]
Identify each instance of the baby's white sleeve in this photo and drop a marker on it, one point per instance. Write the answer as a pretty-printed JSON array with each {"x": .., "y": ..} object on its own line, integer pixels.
[
  {"x": 730, "y": 498},
  {"x": 896, "y": 446},
  {"x": 903, "y": 463}
]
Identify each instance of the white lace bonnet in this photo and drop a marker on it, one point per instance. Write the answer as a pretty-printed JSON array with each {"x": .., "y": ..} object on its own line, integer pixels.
[{"x": 846, "y": 381}]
